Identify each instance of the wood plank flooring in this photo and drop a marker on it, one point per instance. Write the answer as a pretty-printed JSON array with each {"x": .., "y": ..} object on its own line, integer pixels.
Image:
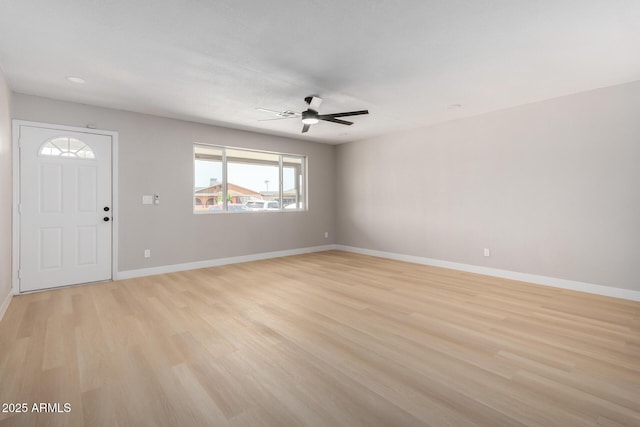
[{"x": 325, "y": 339}]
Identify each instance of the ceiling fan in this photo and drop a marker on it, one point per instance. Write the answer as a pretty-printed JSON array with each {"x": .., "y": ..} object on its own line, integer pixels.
[{"x": 311, "y": 116}]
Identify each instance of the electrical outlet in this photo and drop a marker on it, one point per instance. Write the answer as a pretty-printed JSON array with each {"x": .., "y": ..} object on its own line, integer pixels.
[
  {"x": 147, "y": 253},
  {"x": 487, "y": 252},
  {"x": 326, "y": 234}
]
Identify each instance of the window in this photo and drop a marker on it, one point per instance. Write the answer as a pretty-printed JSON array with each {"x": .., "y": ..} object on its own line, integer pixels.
[
  {"x": 66, "y": 147},
  {"x": 237, "y": 180}
]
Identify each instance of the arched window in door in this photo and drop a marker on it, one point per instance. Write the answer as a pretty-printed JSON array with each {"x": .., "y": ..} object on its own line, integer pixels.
[{"x": 66, "y": 147}]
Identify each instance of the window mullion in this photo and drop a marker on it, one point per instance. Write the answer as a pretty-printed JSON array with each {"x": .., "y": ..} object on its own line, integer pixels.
[
  {"x": 281, "y": 183},
  {"x": 304, "y": 196},
  {"x": 224, "y": 180}
]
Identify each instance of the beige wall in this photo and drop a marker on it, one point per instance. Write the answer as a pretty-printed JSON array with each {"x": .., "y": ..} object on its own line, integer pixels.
[
  {"x": 552, "y": 188},
  {"x": 155, "y": 156},
  {"x": 549, "y": 187},
  {"x": 6, "y": 187}
]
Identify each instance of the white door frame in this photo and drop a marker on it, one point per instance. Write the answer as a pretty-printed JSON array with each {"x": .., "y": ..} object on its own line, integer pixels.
[{"x": 16, "y": 193}]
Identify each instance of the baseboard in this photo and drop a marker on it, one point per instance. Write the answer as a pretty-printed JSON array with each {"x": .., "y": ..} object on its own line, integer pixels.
[
  {"x": 591, "y": 288},
  {"x": 5, "y": 305},
  {"x": 130, "y": 274}
]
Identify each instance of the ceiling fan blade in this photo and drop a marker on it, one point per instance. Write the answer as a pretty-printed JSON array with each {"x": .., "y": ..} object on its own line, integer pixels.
[
  {"x": 278, "y": 118},
  {"x": 350, "y": 113},
  {"x": 334, "y": 120},
  {"x": 268, "y": 111},
  {"x": 314, "y": 102},
  {"x": 286, "y": 114},
  {"x": 305, "y": 128}
]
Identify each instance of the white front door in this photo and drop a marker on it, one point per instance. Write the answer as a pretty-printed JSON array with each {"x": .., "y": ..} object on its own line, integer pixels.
[{"x": 65, "y": 208}]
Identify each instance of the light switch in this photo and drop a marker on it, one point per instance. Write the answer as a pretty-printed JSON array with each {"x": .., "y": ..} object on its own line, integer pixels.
[{"x": 147, "y": 200}]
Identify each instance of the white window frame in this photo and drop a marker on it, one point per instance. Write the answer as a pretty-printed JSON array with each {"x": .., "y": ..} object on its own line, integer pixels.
[{"x": 303, "y": 187}]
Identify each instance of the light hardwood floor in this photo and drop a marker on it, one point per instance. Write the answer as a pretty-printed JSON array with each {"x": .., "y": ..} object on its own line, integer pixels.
[{"x": 323, "y": 339}]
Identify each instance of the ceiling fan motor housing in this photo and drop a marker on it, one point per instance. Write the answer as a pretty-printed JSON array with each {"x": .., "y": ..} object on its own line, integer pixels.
[{"x": 310, "y": 117}]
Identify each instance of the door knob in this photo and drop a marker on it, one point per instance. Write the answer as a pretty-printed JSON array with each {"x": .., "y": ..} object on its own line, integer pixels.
[{"x": 106, "y": 219}]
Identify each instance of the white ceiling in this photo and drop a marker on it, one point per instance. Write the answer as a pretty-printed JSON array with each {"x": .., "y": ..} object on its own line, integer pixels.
[{"x": 407, "y": 61}]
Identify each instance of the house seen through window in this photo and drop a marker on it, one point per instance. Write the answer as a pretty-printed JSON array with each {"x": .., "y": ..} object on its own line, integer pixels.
[{"x": 237, "y": 180}]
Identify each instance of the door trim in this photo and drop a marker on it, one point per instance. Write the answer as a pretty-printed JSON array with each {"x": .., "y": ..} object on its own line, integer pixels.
[{"x": 16, "y": 193}]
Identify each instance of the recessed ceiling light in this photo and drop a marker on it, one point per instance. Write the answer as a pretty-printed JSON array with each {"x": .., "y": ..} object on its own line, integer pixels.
[
  {"x": 78, "y": 80},
  {"x": 454, "y": 106}
]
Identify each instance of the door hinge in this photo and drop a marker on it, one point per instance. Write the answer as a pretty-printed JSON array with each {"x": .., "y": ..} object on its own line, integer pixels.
[{"x": 20, "y": 274}]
